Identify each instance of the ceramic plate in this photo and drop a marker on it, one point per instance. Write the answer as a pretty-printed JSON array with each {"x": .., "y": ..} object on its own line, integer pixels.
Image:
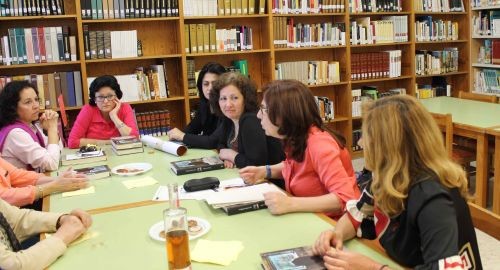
[
  {"x": 194, "y": 232},
  {"x": 131, "y": 169}
]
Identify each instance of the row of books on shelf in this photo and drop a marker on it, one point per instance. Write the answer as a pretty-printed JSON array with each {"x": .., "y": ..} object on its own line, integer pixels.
[
  {"x": 423, "y": 91},
  {"x": 365, "y": 93},
  {"x": 486, "y": 23},
  {"x": 147, "y": 83},
  {"x": 487, "y": 81},
  {"x": 429, "y": 29},
  {"x": 326, "y": 108},
  {"x": 376, "y": 65},
  {"x": 439, "y": 5},
  {"x": 203, "y": 38},
  {"x": 51, "y": 85},
  {"x": 107, "y": 44},
  {"x": 31, "y": 8},
  {"x": 489, "y": 53},
  {"x": 309, "y": 72},
  {"x": 436, "y": 62},
  {"x": 124, "y": 9},
  {"x": 358, "y": 6},
  {"x": 389, "y": 29},
  {"x": 307, "y": 7},
  {"x": 288, "y": 34},
  {"x": 484, "y": 3},
  {"x": 223, "y": 7},
  {"x": 37, "y": 45},
  {"x": 153, "y": 123}
]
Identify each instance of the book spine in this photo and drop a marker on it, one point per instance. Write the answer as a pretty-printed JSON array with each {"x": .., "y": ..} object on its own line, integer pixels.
[
  {"x": 200, "y": 169},
  {"x": 243, "y": 208}
]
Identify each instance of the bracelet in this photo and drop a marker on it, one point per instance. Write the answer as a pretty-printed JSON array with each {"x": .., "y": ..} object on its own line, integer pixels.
[
  {"x": 268, "y": 171},
  {"x": 383, "y": 266}
]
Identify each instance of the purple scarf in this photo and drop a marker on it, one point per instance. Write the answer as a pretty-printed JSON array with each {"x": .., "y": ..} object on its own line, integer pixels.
[{"x": 37, "y": 136}]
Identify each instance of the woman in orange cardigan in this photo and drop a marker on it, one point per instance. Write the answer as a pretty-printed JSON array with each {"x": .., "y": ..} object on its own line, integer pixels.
[{"x": 20, "y": 187}]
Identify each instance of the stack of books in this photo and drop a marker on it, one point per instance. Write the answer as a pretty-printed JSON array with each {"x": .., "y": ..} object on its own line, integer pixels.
[
  {"x": 83, "y": 157},
  {"x": 126, "y": 145}
]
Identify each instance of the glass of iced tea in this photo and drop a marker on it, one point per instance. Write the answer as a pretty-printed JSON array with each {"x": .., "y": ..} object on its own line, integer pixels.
[{"x": 177, "y": 237}]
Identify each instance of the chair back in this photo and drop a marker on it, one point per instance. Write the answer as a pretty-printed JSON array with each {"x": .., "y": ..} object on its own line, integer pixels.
[
  {"x": 477, "y": 97},
  {"x": 445, "y": 124}
]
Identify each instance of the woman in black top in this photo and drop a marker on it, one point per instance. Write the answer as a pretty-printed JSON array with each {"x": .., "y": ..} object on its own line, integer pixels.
[
  {"x": 205, "y": 121},
  {"x": 415, "y": 202},
  {"x": 240, "y": 138}
]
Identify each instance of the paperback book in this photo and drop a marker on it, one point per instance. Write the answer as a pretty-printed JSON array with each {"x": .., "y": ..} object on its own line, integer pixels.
[
  {"x": 95, "y": 172},
  {"x": 292, "y": 259},
  {"x": 197, "y": 165},
  {"x": 125, "y": 142},
  {"x": 83, "y": 158}
]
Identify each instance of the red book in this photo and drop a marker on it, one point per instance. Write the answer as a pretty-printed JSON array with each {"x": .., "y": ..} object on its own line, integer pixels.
[{"x": 41, "y": 45}]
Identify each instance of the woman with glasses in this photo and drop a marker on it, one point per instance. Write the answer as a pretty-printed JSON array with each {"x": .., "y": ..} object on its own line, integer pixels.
[
  {"x": 104, "y": 117},
  {"x": 240, "y": 138},
  {"x": 205, "y": 122},
  {"x": 22, "y": 141},
  {"x": 317, "y": 170}
]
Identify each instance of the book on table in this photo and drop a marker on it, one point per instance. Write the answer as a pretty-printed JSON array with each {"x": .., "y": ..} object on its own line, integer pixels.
[
  {"x": 95, "y": 172},
  {"x": 126, "y": 142},
  {"x": 291, "y": 259},
  {"x": 120, "y": 152},
  {"x": 83, "y": 158},
  {"x": 196, "y": 165}
]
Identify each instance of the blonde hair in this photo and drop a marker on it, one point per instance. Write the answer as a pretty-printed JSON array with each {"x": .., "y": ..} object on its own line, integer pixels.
[{"x": 401, "y": 143}]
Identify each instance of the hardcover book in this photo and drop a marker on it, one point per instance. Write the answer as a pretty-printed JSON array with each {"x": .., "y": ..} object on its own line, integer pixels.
[
  {"x": 128, "y": 151},
  {"x": 243, "y": 207},
  {"x": 291, "y": 259},
  {"x": 125, "y": 142},
  {"x": 196, "y": 165},
  {"x": 95, "y": 172},
  {"x": 82, "y": 158}
]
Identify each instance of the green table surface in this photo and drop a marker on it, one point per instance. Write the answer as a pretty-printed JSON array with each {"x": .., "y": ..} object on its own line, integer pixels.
[
  {"x": 110, "y": 191},
  {"x": 466, "y": 112},
  {"x": 123, "y": 241}
]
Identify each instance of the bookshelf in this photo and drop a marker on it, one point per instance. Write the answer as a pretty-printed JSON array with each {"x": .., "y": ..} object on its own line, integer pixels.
[
  {"x": 164, "y": 41},
  {"x": 485, "y": 47}
]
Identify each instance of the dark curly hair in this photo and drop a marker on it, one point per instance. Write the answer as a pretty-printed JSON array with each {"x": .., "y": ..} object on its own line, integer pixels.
[
  {"x": 292, "y": 108},
  {"x": 244, "y": 84},
  {"x": 103, "y": 81},
  {"x": 210, "y": 67},
  {"x": 9, "y": 98}
]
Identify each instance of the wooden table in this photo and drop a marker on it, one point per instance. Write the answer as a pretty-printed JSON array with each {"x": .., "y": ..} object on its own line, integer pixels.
[{"x": 122, "y": 219}]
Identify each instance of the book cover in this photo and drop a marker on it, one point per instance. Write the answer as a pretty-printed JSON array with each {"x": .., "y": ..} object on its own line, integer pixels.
[
  {"x": 95, "y": 172},
  {"x": 125, "y": 142},
  {"x": 243, "y": 207},
  {"x": 196, "y": 165},
  {"x": 77, "y": 158},
  {"x": 291, "y": 259}
]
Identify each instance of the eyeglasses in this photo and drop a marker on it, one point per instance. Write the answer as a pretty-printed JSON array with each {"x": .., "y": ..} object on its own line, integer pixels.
[
  {"x": 263, "y": 109},
  {"x": 102, "y": 98}
]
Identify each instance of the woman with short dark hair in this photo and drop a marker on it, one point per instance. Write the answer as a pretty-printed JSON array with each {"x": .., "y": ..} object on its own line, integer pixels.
[
  {"x": 22, "y": 142},
  {"x": 317, "y": 170},
  {"x": 240, "y": 138},
  {"x": 205, "y": 121},
  {"x": 104, "y": 117}
]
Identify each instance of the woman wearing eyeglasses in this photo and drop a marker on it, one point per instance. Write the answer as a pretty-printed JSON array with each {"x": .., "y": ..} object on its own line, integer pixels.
[
  {"x": 104, "y": 117},
  {"x": 317, "y": 170},
  {"x": 240, "y": 138},
  {"x": 22, "y": 142}
]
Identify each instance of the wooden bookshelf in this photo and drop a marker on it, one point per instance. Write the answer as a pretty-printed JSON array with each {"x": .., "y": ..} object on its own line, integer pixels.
[{"x": 163, "y": 39}]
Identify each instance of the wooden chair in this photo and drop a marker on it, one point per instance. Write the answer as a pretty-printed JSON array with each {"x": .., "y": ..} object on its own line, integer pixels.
[{"x": 477, "y": 97}]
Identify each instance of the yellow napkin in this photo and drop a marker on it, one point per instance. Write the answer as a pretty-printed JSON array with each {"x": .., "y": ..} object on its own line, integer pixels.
[
  {"x": 217, "y": 252},
  {"x": 84, "y": 191},
  {"x": 84, "y": 237},
  {"x": 141, "y": 182}
]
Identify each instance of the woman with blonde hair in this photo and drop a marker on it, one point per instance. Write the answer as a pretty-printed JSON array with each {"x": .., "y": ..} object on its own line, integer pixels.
[{"x": 415, "y": 204}]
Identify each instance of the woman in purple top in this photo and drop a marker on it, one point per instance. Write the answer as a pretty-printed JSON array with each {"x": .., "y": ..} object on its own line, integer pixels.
[{"x": 22, "y": 142}]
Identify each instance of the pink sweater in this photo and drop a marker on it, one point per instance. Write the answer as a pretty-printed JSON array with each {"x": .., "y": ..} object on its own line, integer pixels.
[
  {"x": 17, "y": 186},
  {"x": 90, "y": 124}
]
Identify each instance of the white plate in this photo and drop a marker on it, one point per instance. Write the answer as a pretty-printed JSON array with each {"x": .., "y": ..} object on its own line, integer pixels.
[
  {"x": 154, "y": 231},
  {"x": 136, "y": 168}
]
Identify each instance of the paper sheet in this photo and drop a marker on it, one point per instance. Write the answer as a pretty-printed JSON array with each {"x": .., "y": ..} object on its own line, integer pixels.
[
  {"x": 217, "y": 252},
  {"x": 79, "y": 192},
  {"x": 165, "y": 146},
  {"x": 141, "y": 182}
]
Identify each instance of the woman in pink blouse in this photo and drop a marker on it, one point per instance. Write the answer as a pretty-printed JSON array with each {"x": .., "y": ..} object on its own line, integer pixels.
[
  {"x": 22, "y": 141},
  {"x": 21, "y": 187},
  {"x": 104, "y": 117}
]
